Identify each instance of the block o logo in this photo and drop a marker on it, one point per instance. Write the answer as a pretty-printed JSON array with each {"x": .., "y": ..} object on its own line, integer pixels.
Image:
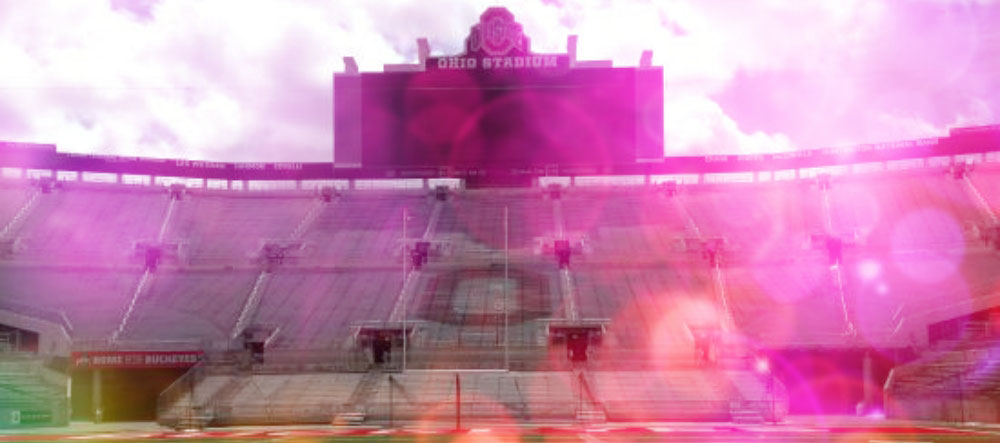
[{"x": 497, "y": 34}]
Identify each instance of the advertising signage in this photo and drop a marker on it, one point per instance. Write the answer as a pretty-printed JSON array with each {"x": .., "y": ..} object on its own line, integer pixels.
[{"x": 135, "y": 359}]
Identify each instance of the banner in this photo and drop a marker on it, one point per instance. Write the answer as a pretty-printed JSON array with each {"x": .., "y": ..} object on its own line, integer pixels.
[{"x": 135, "y": 359}]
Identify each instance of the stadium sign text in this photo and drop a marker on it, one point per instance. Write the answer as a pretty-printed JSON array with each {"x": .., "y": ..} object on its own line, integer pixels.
[
  {"x": 135, "y": 360},
  {"x": 506, "y": 62}
]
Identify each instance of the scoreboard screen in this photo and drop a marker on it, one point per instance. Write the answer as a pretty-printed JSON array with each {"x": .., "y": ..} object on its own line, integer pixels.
[{"x": 499, "y": 117}]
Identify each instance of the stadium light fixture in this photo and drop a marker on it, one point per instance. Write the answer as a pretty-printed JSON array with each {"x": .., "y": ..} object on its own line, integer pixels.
[
  {"x": 555, "y": 191},
  {"x": 823, "y": 180},
  {"x": 153, "y": 253},
  {"x": 833, "y": 245},
  {"x": 177, "y": 191},
  {"x": 959, "y": 169},
  {"x": 669, "y": 188},
  {"x": 327, "y": 193},
  {"x": 46, "y": 184},
  {"x": 563, "y": 253},
  {"x": 278, "y": 252},
  {"x": 441, "y": 193}
]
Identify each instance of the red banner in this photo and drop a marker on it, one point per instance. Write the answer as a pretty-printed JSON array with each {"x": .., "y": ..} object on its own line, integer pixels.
[{"x": 136, "y": 360}]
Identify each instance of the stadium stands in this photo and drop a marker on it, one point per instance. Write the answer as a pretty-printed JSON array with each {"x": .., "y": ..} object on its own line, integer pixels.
[
  {"x": 618, "y": 223},
  {"x": 908, "y": 212},
  {"x": 794, "y": 304},
  {"x": 367, "y": 225},
  {"x": 12, "y": 199},
  {"x": 540, "y": 261},
  {"x": 498, "y": 395},
  {"x": 267, "y": 398},
  {"x": 647, "y": 302},
  {"x": 315, "y": 309},
  {"x": 190, "y": 298},
  {"x": 759, "y": 221},
  {"x": 463, "y": 307},
  {"x": 947, "y": 385},
  {"x": 987, "y": 180},
  {"x": 911, "y": 255},
  {"x": 472, "y": 222},
  {"x": 93, "y": 301},
  {"x": 31, "y": 394},
  {"x": 190, "y": 400},
  {"x": 87, "y": 225},
  {"x": 222, "y": 228}
]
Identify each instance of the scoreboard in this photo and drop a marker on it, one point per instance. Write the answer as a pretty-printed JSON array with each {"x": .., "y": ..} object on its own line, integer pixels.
[{"x": 499, "y": 105}]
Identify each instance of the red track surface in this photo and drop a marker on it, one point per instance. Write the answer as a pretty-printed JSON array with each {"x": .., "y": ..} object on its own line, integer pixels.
[{"x": 685, "y": 432}]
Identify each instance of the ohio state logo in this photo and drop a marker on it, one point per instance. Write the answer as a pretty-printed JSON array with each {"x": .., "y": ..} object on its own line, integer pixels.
[{"x": 497, "y": 34}]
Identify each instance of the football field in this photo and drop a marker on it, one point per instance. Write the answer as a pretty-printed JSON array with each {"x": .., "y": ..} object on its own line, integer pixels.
[{"x": 485, "y": 434}]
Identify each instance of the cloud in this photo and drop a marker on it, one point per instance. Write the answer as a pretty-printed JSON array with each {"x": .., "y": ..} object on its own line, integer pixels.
[
  {"x": 696, "y": 125},
  {"x": 883, "y": 71},
  {"x": 251, "y": 80}
]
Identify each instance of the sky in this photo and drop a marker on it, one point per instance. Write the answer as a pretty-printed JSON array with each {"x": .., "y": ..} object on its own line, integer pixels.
[{"x": 251, "y": 80}]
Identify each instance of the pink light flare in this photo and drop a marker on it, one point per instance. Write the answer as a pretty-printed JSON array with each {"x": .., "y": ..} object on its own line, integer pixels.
[
  {"x": 882, "y": 289},
  {"x": 762, "y": 366},
  {"x": 869, "y": 269},
  {"x": 671, "y": 337},
  {"x": 487, "y": 435}
]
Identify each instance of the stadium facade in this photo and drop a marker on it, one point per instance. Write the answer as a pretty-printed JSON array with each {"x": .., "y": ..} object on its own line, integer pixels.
[{"x": 482, "y": 270}]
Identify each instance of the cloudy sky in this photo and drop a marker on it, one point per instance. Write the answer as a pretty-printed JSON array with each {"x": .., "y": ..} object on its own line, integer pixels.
[{"x": 251, "y": 79}]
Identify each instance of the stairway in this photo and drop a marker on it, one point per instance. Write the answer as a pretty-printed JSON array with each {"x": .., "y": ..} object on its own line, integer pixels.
[
  {"x": 744, "y": 413},
  {"x": 353, "y": 412},
  {"x": 218, "y": 409},
  {"x": 590, "y": 410}
]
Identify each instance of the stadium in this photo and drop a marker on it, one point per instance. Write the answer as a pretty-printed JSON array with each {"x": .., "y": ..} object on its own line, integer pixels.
[{"x": 462, "y": 265}]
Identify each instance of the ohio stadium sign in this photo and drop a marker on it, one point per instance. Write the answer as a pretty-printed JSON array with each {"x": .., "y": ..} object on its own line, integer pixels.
[{"x": 516, "y": 62}]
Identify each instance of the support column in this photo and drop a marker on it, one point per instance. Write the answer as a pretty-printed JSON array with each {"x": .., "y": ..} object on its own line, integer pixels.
[
  {"x": 96, "y": 399},
  {"x": 458, "y": 402},
  {"x": 868, "y": 383}
]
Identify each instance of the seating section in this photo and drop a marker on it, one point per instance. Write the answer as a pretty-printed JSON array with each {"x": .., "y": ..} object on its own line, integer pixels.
[
  {"x": 224, "y": 229},
  {"x": 317, "y": 309},
  {"x": 676, "y": 394},
  {"x": 277, "y": 398},
  {"x": 906, "y": 213},
  {"x": 910, "y": 249},
  {"x": 90, "y": 226},
  {"x": 758, "y": 221},
  {"x": 926, "y": 287},
  {"x": 36, "y": 392},
  {"x": 663, "y": 395},
  {"x": 12, "y": 199},
  {"x": 360, "y": 226},
  {"x": 465, "y": 307},
  {"x": 987, "y": 181},
  {"x": 191, "y": 400},
  {"x": 618, "y": 223},
  {"x": 207, "y": 304},
  {"x": 651, "y": 305},
  {"x": 473, "y": 222},
  {"x": 431, "y": 396},
  {"x": 92, "y": 300},
  {"x": 786, "y": 304},
  {"x": 948, "y": 384}
]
